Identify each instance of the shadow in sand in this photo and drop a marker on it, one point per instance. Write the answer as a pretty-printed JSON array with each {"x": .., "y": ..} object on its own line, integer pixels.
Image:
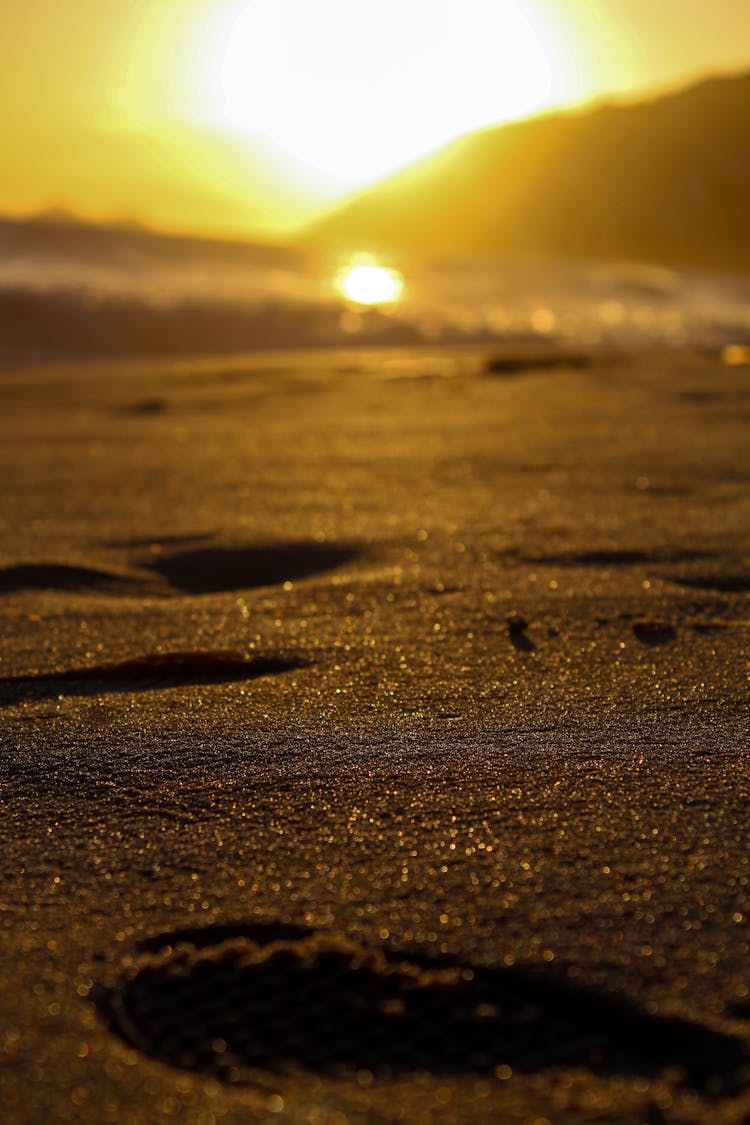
[
  {"x": 517, "y": 627},
  {"x": 236, "y": 1002},
  {"x": 654, "y": 632},
  {"x": 726, "y": 582},
  {"x": 210, "y": 570},
  {"x": 146, "y": 673},
  {"x": 544, "y": 361},
  {"x": 520, "y": 642},
  {"x": 58, "y": 576},
  {"x": 612, "y": 558},
  {"x": 143, "y": 407}
]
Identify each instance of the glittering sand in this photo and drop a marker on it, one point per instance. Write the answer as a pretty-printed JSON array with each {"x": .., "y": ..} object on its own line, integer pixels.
[{"x": 375, "y": 740}]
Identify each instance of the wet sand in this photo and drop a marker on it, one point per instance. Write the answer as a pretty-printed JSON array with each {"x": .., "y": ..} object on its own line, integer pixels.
[{"x": 375, "y": 740}]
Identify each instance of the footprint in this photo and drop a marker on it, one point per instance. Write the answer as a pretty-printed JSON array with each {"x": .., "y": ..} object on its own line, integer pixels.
[
  {"x": 727, "y": 582},
  {"x": 59, "y": 576},
  {"x": 541, "y": 361},
  {"x": 196, "y": 570},
  {"x": 143, "y": 407},
  {"x": 148, "y": 673},
  {"x": 210, "y": 570},
  {"x": 244, "y": 1003},
  {"x": 612, "y": 558},
  {"x": 650, "y": 632}
]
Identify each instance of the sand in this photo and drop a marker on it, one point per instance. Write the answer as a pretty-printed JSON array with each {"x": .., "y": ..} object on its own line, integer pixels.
[{"x": 374, "y": 740}]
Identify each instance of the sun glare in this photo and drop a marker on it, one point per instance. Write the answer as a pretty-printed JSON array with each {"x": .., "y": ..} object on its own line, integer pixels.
[
  {"x": 356, "y": 90},
  {"x": 368, "y": 284}
]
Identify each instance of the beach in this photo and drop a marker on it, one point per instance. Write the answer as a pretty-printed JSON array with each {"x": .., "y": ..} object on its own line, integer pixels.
[{"x": 375, "y": 737}]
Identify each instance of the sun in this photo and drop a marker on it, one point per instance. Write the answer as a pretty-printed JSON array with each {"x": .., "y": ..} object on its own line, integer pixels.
[
  {"x": 366, "y": 283},
  {"x": 356, "y": 89}
]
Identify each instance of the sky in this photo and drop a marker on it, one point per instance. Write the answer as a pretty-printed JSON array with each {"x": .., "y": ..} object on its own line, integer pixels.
[{"x": 249, "y": 117}]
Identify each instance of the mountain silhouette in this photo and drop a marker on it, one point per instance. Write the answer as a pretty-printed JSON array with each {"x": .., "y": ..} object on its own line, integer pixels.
[{"x": 665, "y": 180}]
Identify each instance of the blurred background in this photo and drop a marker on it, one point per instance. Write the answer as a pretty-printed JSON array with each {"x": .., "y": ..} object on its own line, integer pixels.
[{"x": 201, "y": 176}]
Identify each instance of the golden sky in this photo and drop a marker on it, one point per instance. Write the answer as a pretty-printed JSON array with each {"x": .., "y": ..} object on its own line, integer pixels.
[{"x": 250, "y": 116}]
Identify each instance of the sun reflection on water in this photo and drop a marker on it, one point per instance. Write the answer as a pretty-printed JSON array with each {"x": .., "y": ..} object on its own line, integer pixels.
[{"x": 366, "y": 283}]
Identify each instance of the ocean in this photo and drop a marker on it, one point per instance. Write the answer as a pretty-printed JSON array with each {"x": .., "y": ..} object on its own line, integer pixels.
[{"x": 74, "y": 291}]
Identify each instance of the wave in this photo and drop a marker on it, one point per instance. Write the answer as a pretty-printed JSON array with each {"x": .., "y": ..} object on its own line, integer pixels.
[{"x": 78, "y": 292}]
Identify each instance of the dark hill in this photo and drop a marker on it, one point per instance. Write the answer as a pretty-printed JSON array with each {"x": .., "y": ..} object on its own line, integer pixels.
[{"x": 666, "y": 180}]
